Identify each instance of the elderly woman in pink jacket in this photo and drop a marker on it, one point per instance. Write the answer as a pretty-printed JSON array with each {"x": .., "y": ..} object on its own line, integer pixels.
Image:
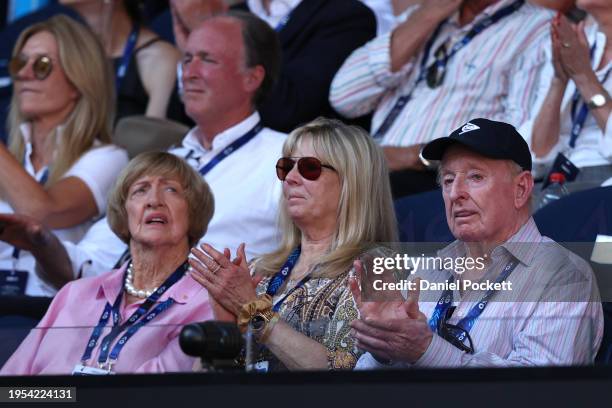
[{"x": 128, "y": 320}]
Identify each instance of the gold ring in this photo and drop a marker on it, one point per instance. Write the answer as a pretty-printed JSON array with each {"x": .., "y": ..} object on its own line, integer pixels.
[{"x": 216, "y": 269}]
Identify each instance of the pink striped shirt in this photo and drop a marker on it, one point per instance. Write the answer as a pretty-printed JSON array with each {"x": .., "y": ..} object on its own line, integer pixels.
[
  {"x": 552, "y": 316},
  {"x": 494, "y": 77}
]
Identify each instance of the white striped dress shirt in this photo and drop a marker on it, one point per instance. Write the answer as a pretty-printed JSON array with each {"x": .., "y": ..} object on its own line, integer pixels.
[
  {"x": 552, "y": 316},
  {"x": 493, "y": 77}
]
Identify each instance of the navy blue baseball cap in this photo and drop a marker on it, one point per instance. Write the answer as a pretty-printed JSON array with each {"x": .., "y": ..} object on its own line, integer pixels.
[{"x": 496, "y": 140}]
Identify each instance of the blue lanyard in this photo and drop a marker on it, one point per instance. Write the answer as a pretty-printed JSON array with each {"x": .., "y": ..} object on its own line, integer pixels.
[
  {"x": 579, "y": 117},
  {"x": 131, "y": 323},
  {"x": 441, "y": 62},
  {"x": 235, "y": 145},
  {"x": 128, "y": 50},
  {"x": 468, "y": 321},
  {"x": 281, "y": 276}
]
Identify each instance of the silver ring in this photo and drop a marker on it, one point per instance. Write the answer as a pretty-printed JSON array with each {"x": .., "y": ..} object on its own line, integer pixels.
[{"x": 566, "y": 45}]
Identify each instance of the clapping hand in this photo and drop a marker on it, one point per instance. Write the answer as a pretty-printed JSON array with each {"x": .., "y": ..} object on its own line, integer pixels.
[
  {"x": 228, "y": 282},
  {"x": 570, "y": 48},
  {"x": 22, "y": 231},
  {"x": 393, "y": 330}
]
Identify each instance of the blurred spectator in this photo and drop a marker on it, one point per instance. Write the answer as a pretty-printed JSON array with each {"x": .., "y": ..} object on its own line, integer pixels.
[
  {"x": 60, "y": 132},
  {"x": 160, "y": 206},
  {"x": 316, "y": 37},
  {"x": 387, "y": 12},
  {"x": 560, "y": 5},
  {"x": 185, "y": 15},
  {"x": 145, "y": 66},
  {"x": 574, "y": 118},
  {"x": 228, "y": 146},
  {"x": 8, "y": 37},
  {"x": 549, "y": 312},
  {"x": 449, "y": 61}
]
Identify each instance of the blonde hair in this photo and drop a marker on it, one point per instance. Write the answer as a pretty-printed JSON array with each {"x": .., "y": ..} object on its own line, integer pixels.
[
  {"x": 85, "y": 65},
  {"x": 199, "y": 197},
  {"x": 365, "y": 211}
]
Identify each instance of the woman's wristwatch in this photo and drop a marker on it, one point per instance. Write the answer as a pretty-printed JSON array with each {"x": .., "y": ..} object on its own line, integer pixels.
[
  {"x": 258, "y": 318},
  {"x": 597, "y": 101}
]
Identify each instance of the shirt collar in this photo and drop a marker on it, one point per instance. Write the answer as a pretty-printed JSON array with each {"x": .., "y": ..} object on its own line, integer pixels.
[
  {"x": 524, "y": 244},
  {"x": 26, "y": 134},
  {"x": 183, "y": 290},
  {"x": 223, "y": 139},
  {"x": 278, "y": 8}
]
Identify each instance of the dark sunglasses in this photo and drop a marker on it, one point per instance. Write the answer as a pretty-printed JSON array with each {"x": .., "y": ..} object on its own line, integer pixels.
[
  {"x": 309, "y": 167},
  {"x": 437, "y": 71},
  {"x": 455, "y": 335},
  {"x": 41, "y": 67}
]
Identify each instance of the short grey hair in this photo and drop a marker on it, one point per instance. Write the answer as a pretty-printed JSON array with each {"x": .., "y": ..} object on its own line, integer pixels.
[{"x": 199, "y": 197}]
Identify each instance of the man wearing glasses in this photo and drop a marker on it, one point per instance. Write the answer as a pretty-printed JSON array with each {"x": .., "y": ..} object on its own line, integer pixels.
[
  {"x": 449, "y": 61},
  {"x": 524, "y": 301}
]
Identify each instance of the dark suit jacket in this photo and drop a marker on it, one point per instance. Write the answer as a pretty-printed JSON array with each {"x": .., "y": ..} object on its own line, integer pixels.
[{"x": 318, "y": 37}]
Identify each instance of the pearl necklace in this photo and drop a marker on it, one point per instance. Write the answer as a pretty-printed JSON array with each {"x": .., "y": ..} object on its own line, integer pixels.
[{"x": 129, "y": 285}]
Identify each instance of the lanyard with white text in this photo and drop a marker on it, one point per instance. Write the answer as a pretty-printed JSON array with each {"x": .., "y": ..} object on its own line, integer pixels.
[
  {"x": 579, "y": 117},
  {"x": 128, "y": 50},
  {"x": 468, "y": 321},
  {"x": 281, "y": 276},
  {"x": 479, "y": 27},
  {"x": 130, "y": 324},
  {"x": 235, "y": 145}
]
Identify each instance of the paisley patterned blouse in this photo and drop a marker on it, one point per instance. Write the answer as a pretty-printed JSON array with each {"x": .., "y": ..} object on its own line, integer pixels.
[{"x": 322, "y": 309}]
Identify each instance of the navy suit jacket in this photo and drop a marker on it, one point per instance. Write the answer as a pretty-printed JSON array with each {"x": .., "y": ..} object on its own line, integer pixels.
[{"x": 318, "y": 37}]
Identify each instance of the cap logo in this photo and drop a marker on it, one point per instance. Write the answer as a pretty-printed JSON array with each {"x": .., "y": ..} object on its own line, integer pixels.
[{"x": 468, "y": 127}]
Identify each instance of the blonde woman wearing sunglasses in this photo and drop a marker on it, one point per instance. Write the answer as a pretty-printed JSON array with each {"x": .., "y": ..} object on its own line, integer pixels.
[
  {"x": 336, "y": 204},
  {"x": 60, "y": 164}
]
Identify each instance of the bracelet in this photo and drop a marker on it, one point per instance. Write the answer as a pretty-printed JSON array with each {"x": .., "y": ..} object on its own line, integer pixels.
[
  {"x": 268, "y": 329},
  {"x": 262, "y": 305}
]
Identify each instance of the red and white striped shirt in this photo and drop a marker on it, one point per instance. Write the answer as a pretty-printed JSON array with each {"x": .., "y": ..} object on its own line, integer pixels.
[{"x": 494, "y": 76}]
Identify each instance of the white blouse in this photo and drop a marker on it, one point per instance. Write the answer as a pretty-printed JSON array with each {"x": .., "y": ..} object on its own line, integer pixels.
[{"x": 97, "y": 168}]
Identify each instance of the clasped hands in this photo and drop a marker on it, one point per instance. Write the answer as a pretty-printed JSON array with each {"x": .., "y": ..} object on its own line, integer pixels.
[
  {"x": 392, "y": 330},
  {"x": 570, "y": 49},
  {"x": 228, "y": 281}
]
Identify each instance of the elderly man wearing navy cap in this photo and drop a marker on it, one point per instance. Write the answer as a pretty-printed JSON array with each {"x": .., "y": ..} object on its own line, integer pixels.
[{"x": 522, "y": 300}]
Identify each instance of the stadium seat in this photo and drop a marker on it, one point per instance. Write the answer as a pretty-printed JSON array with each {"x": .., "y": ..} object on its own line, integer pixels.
[
  {"x": 578, "y": 218},
  {"x": 138, "y": 134},
  {"x": 421, "y": 218}
]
